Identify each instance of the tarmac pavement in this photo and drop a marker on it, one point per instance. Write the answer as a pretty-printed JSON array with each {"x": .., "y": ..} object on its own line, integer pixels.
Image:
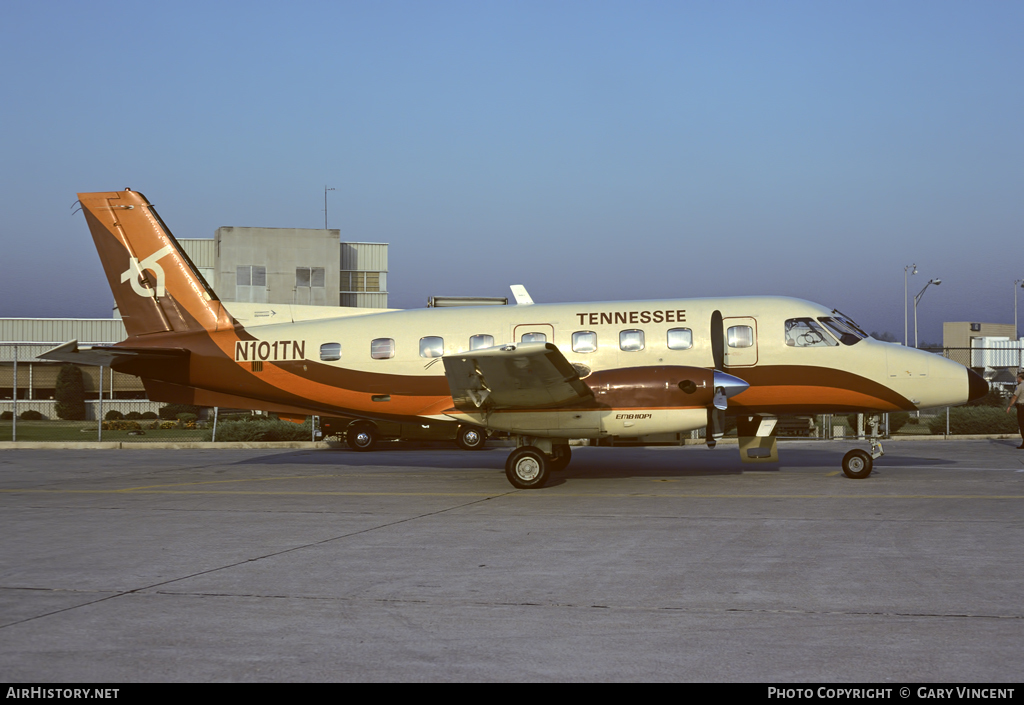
[{"x": 417, "y": 564}]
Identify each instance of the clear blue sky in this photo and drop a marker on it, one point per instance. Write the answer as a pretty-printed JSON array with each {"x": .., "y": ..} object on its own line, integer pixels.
[{"x": 590, "y": 150}]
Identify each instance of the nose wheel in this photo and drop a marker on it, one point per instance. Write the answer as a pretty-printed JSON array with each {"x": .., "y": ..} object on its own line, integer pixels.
[{"x": 857, "y": 464}]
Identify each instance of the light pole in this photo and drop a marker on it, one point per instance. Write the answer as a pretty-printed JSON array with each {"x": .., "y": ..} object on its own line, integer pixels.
[
  {"x": 325, "y": 205},
  {"x": 917, "y": 298},
  {"x": 905, "y": 300}
]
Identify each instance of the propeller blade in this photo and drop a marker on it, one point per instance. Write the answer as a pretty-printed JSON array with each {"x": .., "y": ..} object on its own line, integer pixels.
[
  {"x": 715, "y": 428},
  {"x": 718, "y": 340}
]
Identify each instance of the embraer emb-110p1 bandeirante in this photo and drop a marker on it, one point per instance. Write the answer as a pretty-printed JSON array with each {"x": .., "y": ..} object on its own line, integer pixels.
[{"x": 545, "y": 373}]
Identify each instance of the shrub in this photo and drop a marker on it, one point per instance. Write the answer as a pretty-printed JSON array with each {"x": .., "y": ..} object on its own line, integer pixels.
[
  {"x": 70, "y": 393},
  {"x": 7, "y": 416},
  {"x": 30, "y": 415},
  {"x": 974, "y": 419},
  {"x": 121, "y": 425},
  {"x": 135, "y": 416},
  {"x": 113, "y": 415},
  {"x": 171, "y": 411},
  {"x": 268, "y": 430},
  {"x": 149, "y": 415},
  {"x": 897, "y": 420}
]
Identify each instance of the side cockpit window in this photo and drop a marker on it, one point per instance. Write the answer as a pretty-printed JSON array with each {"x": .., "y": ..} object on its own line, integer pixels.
[{"x": 807, "y": 333}]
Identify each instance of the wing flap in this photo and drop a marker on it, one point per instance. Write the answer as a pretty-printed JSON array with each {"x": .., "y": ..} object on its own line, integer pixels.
[{"x": 513, "y": 376}]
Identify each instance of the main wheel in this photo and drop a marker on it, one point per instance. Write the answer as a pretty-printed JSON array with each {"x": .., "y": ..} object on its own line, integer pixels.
[
  {"x": 361, "y": 436},
  {"x": 527, "y": 468},
  {"x": 563, "y": 454},
  {"x": 857, "y": 464},
  {"x": 471, "y": 437}
]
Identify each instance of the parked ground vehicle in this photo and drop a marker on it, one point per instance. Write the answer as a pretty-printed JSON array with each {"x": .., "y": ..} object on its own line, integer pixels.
[{"x": 363, "y": 434}]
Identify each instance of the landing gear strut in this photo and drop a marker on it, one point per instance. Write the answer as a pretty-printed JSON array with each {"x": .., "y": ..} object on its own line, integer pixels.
[{"x": 857, "y": 463}]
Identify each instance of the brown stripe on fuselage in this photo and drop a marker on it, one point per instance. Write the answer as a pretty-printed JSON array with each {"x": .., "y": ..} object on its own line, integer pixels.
[{"x": 814, "y": 389}]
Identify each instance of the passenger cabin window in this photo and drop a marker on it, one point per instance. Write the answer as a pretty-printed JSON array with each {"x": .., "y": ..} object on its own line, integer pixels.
[
  {"x": 382, "y": 348},
  {"x": 680, "y": 339},
  {"x": 477, "y": 342},
  {"x": 584, "y": 341},
  {"x": 533, "y": 338},
  {"x": 807, "y": 333},
  {"x": 741, "y": 337},
  {"x": 431, "y": 346},
  {"x": 330, "y": 352},
  {"x": 631, "y": 340}
]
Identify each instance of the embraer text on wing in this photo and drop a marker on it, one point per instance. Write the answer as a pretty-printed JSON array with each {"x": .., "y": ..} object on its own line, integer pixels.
[
  {"x": 263, "y": 350},
  {"x": 613, "y": 317}
]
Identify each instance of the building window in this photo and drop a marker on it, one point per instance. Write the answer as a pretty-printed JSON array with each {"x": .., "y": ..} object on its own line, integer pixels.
[
  {"x": 680, "y": 339},
  {"x": 310, "y": 277},
  {"x": 431, "y": 346},
  {"x": 251, "y": 283},
  {"x": 360, "y": 281},
  {"x": 382, "y": 348},
  {"x": 584, "y": 341},
  {"x": 477, "y": 342},
  {"x": 631, "y": 340},
  {"x": 250, "y": 275},
  {"x": 330, "y": 352}
]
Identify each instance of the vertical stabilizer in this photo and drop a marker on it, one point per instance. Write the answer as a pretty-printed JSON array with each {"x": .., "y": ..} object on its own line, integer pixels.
[{"x": 156, "y": 286}]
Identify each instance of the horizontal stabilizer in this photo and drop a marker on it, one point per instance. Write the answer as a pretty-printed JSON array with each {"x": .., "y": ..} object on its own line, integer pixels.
[
  {"x": 107, "y": 355},
  {"x": 513, "y": 376}
]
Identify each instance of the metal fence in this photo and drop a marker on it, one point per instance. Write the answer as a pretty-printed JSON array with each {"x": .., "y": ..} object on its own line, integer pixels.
[
  {"x": 113, "y": 406},
  {"x": 116, "y": 407}
]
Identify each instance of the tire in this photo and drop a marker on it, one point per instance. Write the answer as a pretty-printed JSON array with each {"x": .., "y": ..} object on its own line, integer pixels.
[
  {"x": 362, "y": 436},
  {"x": 471, "y": 437},
  {"x": 563, "y": 454},
  {"x": 857, "y": 464},
  {"x": 527, "y": 468}
]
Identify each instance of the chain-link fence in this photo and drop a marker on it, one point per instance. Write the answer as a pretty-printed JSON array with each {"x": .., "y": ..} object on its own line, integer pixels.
[
  {"x": 105, "y": 405},
  {"x": 50, "y": 401}
]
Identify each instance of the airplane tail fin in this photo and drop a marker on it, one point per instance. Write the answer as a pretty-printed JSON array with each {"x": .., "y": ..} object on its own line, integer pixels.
[{"x": 156, "y": 286}]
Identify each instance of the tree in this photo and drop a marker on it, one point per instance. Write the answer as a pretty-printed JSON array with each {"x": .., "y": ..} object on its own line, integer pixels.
[{"x": 70, "y": 393}]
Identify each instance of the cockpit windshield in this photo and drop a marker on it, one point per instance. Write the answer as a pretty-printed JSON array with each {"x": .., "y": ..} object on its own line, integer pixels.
[{"x": 845, "y": 329}]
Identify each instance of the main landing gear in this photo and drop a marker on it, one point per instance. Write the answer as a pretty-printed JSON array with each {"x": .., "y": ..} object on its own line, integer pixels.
[{"x": 529, "y": 465}]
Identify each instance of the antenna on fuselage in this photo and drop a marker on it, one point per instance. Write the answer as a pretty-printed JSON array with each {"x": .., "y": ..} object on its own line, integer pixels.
[{"x": 522, "y": 296}]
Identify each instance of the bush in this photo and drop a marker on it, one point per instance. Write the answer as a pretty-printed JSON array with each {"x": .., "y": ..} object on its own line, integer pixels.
[
  {"x": 70, "y": 394},
  {"x": 149, "y": 415},
  {"x": 113, "y": 415},
  {"x": 7, "y": 416},
  {"x": 897, "y": 420},
  {"x": 121, "y": 425},
  {"x": 171, "y": 411},
  {"x": 30, "y": 415},
  {"x": 974, "y": 419},
  {"x": 267, "y": 430},
  {"x": 135, "y": 416}
]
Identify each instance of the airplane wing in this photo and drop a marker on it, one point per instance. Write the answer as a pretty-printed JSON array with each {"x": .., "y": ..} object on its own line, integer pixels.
[
  {"x": 513, "y": 376},
  {"x": 106, "y": 355}
]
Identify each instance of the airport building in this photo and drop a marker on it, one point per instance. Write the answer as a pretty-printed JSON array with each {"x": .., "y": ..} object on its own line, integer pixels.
[{"x": 252, "y": 265}]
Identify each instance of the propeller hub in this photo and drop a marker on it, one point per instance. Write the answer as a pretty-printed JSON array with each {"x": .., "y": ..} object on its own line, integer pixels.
[{"x": 728, "y": 384}]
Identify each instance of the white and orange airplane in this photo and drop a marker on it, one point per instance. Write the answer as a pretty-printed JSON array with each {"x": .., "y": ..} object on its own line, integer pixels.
[{"x": 545, "y": 373}]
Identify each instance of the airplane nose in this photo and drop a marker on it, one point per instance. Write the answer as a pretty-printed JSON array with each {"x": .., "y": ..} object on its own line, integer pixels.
[{"x": 977, "y": 387}]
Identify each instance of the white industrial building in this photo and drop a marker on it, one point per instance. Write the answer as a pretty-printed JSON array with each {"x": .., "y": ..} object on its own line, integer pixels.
[{"x": 244, "y": 265}]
